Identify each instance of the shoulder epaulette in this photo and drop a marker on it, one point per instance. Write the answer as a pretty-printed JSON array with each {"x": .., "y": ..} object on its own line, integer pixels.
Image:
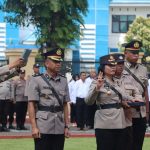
[
  {"x": 37, "y": 75},
  {"x": 62, "y": 75}
]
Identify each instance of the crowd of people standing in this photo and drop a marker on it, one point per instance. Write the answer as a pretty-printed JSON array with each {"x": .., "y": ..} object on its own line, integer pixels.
[{"x": 113, "y": 101}]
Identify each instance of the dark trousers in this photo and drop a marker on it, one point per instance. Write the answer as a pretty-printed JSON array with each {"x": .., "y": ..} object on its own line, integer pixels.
[
  {"x": 11, "y": 112},
  {"x": 110, "y": 139},
  {"x": 139, "y": 129},
  {"x": 73, "y": 112},
  {"x": 81, "y": 111},
  {"x": 128, "y": 138},
  {"x": 21, "y": 110},
  {"x": 50, "y": 142},
  {"x": 90, "y": 115},
  {"x": 4, "y": 108}
]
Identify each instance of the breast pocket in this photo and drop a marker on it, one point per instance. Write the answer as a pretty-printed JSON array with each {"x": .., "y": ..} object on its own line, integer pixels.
[
  {"x": 129, "y": 90},
  {"x": 42, "y": 115},
  {"x": 62, "y": 94}
]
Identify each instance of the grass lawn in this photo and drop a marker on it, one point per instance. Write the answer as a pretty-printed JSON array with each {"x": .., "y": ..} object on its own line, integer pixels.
[{"x": 71, "y": 144}]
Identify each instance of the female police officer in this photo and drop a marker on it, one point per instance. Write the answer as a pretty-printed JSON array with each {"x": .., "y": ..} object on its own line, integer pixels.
[{"x": 109, "y": 118}]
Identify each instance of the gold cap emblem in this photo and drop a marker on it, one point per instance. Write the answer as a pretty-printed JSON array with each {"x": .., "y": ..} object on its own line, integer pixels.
[
  {"x": 59, "y": 52},
  {"x": 111, "y": 58},
  {"x": 136, "y": 45}
]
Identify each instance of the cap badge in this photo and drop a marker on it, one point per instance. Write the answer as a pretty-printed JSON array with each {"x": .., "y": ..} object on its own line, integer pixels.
[
  {"x": 136, "y": 45},
  {"x": 59, "y": 52},
  {"x": 111, "y": 58}
]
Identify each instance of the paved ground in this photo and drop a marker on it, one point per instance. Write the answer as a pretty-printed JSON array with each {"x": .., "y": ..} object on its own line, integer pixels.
[{"x": 74, "y": 131}]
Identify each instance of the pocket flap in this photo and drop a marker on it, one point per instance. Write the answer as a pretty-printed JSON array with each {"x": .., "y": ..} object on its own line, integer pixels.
[{"x": 43, "y": 115}]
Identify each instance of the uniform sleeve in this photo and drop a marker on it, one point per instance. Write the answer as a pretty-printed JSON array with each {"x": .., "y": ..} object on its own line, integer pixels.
[
  {"x": 4, "y": 70},
  {"x": 92, "y": 94},
  {"x": 12, "y": 90},
  {"x": 67, "y": 97},
  {"x": 33, "y": 90}
]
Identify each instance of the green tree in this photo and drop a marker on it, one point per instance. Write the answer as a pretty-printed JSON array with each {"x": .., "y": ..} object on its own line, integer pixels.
[
  {"x": 140, "y": 30},
  {"x": 57, "y": 22}
]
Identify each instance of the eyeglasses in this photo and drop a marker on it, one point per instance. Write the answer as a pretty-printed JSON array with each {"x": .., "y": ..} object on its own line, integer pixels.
[{"x": 134, "y": 52}]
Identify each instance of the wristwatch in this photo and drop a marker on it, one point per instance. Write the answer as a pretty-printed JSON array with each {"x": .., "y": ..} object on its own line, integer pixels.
[{"x": 66, "y": 126}]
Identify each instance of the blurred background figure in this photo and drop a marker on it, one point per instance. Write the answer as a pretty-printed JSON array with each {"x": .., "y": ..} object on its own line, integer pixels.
[
  {"x": 21, "y": 101},
  {"x": 6, "y": 96},
  {"x": 81, "y": 91},
  {"x": 91, "y": 109},
  {"x": 36, "y": 69},
  {"x": 72, "y": 94}
]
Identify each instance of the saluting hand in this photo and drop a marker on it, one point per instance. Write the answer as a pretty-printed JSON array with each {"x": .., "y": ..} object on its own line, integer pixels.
[
  {"x": 36, "y": 133},
  {"x": 100, "y": 80}
]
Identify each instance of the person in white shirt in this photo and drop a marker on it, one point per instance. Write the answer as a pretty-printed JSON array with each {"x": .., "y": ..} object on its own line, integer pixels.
[
  {"x": 71, "y": 86},
  {"x": 91, "y": 109},
  {"x": 81, "y": 91}
]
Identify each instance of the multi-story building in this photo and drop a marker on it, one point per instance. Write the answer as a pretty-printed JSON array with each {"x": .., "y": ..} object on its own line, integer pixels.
[{"x": 106, "y": 23}]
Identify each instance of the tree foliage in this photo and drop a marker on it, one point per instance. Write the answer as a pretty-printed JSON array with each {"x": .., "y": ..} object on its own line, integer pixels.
[
  {"x": 140, "y": 30},
  {"x": 57, "y": 22}
]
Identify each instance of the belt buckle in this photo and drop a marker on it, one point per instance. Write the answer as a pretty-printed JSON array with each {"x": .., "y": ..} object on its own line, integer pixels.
[{"x": 52, "y": 108}]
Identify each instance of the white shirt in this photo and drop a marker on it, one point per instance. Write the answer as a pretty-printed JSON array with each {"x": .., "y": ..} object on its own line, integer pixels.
[
  {"x": 72, "y": 94},
  {"x": 81, "y": 88}
]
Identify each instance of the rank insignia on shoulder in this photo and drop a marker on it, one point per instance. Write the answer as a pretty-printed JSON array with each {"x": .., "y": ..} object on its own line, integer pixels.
[
  {"x": 62, "y": 75},
  {"x": 36, "y": 75}
]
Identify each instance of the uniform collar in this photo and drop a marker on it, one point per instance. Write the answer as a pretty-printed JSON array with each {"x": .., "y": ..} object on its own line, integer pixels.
[
  {"x": 51, "y": 78},
  {"x": 130, "y": 65}
]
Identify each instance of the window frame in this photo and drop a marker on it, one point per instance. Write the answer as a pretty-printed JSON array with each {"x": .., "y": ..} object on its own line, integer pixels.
[{"x": 119, "y": 22}]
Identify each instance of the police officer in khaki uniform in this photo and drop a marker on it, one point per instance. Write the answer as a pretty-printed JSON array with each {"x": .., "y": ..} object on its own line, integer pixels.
[
  {"x": 110, "y": 120},
  {"x": 21, "y": 101},
  {"x": 6, "y": 96},
  {"x": 140, "y": 79},
  {"x": 36, "y": 69},
  {"x": 124, "y": 80},
  {"x": 48, "y": 110},
  {"x": 11, "y": 70}
]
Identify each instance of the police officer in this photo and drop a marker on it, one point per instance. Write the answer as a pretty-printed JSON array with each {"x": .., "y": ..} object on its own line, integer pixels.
[
  {"x": 109, "y": 121},
  {"x": 36, "y": 69},
  {"x": 11, "y": 70},
  {"x": 140, "y": 79},
  {"x": 124, "y": 80},
  {"x": 6, "y": 96},
  {"x": 48, "y": 110},
  {"x": 21, "y": 101}
]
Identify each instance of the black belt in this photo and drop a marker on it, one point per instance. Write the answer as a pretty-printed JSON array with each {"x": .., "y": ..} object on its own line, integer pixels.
[
  {"x": 109, "y": 106},
  {"x": 50, "y": 108}
]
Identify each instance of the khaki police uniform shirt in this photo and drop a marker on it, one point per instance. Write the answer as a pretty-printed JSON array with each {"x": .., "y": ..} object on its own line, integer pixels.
[
  {"x": 6, "y": 90},
  {"x": 19, "y": 89},
  {"x": 6, "y": 74},
  {"x": 4, "y": 70},
  {"x": 39, "y": 91},
  {"x": 141, "y": 72},
  {"x": 125, "y": 82},
  {"x": 112, "y": 118}
]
